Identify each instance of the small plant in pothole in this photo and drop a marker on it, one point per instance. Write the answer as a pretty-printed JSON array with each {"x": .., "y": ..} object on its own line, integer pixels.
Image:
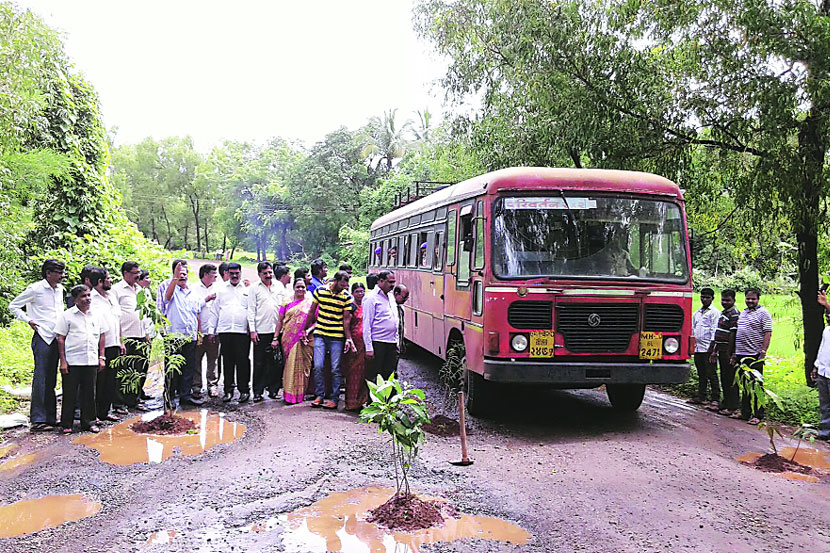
[
  {"x": 165, "y": 345},
  {"x": 401, "y": 412}
]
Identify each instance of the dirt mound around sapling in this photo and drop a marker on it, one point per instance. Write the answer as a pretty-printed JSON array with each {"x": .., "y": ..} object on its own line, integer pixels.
[
  {"x": 775, "y": 463},
  {"x": 407, "y": 512},
  {"x": 443, "y": 426},
  {"x": 164, "y": 424}
]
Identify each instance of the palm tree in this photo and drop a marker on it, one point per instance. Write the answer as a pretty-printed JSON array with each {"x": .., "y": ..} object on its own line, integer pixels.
[{"x": 385, "y": 140}]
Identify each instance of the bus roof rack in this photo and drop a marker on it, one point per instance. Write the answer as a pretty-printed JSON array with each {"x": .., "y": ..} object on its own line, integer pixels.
[{"x": 417, "y": 190}]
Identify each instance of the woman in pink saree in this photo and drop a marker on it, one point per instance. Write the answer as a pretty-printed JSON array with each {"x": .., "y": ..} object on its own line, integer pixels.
[{"x": 298, "y": 355}]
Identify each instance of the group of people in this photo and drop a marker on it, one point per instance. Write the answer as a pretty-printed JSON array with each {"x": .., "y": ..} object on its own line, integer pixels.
[
  {"x": 731, "y": 339},
  {"x": 311, "y": 337}
]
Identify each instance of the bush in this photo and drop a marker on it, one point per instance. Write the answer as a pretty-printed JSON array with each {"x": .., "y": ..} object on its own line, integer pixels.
[
  {"x": 744, "y": 279},
  {"x": 16, "y": 363}
]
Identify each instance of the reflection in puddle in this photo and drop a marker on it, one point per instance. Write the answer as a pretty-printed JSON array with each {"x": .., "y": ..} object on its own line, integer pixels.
[
  {"x": 121, "y": 446},
  {"x": 801, "y": 477},
  {"x": 161, "y": 537},
  {"x": 33, "y": 515},
  {"x": 808, "y": 456},
  {"x": 338, "y": 523},
  {"x": 17, "y": 462}
]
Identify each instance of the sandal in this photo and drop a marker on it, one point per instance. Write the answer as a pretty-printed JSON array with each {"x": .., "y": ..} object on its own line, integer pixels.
[
  {"x": 66, "y": 431},
  {"x": 725, "y": 412},
  {"x": 112, "y": 418},
  {"x": 736, "y": 415},
  {"x": 755, "y": 421},
  {"x": 42, "y": 427},
  {"x": 94, "y": 429}
]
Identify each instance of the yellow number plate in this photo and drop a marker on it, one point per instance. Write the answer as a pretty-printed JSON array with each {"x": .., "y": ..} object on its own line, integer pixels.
[
  {"x": 541, "y": 343},
  {"x": 651, "y": 345}
]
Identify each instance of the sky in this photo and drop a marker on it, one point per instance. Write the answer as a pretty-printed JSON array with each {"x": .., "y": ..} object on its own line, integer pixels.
[{"x": 246, "y": 70}]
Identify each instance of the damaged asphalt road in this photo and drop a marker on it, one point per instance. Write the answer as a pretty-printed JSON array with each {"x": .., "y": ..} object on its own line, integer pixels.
[{"x": 562, "y": 465}]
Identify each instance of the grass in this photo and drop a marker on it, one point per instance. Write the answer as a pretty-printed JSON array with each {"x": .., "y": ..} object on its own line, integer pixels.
[{"x": 16, "y": 364}]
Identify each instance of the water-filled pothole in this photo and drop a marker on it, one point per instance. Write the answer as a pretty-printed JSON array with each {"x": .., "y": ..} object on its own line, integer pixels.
[
  {"x": 120, "y": 445},
  {"x": 338, "y": 522},
  {"x": 17, "y": 462},
  {"x": 33, "y": 515},
  {"x": 812, "y": 461}
]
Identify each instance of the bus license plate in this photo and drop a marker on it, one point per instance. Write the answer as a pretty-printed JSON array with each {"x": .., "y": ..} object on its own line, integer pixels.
[
  {"x": 651, "y": 345},
  {"x": 541, "y": 343}
]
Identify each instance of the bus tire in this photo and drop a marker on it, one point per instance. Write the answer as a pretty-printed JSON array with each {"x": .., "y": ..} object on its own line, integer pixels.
[
  {"x": 481, "y": 400},
  {"x": 625, "y": 397}
]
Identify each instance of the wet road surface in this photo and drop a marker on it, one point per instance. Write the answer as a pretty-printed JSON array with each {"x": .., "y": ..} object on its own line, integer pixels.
[{"x": 563, "y": 466}]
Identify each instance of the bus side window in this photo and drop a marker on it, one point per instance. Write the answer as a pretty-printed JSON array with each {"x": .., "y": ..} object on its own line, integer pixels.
[
  {"x": 413, "y": 250},
  {"x": 479, "y": 246},
  {"x": 451, "y": 237},
  {"x": 423, "y": 249},
  {"x": 465, "y": 246},
  {"x": 438, "y": 251}
]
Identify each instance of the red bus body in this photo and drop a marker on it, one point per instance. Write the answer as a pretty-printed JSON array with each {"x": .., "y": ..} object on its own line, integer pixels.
[{"x": 457, "y": 296}]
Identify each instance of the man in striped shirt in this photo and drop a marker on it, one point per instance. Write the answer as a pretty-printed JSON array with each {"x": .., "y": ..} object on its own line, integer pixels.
[
  {"x": 332, "y": 310},
  {"x": 751, "y": 343}
]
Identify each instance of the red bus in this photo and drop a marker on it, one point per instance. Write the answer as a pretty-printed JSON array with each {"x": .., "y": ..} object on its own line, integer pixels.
[{"x": 573, "y": 278}]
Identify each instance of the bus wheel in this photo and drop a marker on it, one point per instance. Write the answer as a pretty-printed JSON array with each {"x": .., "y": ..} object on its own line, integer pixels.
[
  {"x": 481, "y": 398},
  {"x": 626, "y": 397}
]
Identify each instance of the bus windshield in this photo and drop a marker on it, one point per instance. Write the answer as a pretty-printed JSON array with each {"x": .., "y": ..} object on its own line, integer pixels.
[{"x": 589, "y": 236}]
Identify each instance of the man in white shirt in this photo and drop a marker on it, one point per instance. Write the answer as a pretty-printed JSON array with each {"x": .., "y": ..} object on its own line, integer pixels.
[
  {"x": 264, "y": 300},
  {"x": 105, "y": 306},
  {"x": 229, "y": 320},
  {"x": 39, "y": 305},
  {"x": 282, "y": 282},
  {"x": 80, "y": 341},
  {"x": 380, "y": 328},
  {"x": 704, "y": 324},
  {"x": 133, "y": 330},
  {"x": 821, "y": 375},
  {"x": 205, "y": 348}
]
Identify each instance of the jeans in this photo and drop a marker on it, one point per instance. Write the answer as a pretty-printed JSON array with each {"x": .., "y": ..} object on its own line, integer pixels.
[
  {"x": 266, "y": 373},
  {"x": 236, "y": 358},
  {"x": 106, "y": 384},
  {"x": 707, "y": 374},
  {"x": 44, "y": 408},
  {"x": 384, "y": 362},
  {"x": 79, "y": 380},
  {"x": 181, "y": 382},
  {"x": 750, "y": 408},
  {"x": 334, "y": 346},
  {"x": 211, "y": 351},
  {"x": 731, "y": 394},
  {"x": 823, "y": 385}
]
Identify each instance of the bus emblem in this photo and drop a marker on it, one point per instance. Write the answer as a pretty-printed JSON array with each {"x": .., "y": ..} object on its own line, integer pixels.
[{"x": 594, "y": 320}]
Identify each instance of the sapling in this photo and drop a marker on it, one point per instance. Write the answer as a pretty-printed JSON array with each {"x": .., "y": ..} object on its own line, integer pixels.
[
  {"x": 167, "y": 344},
  {"x": 401, "y": 412},
  {"x": 804, "y": 432}
]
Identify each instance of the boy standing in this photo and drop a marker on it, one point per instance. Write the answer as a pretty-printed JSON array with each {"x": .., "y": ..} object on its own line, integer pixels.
[
  {"x": 704, "y": 323},
  {"x": 719, "y": 352}
]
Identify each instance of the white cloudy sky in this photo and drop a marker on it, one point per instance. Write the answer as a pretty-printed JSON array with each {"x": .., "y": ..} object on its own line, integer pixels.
[{"x": 246, "y": 69}]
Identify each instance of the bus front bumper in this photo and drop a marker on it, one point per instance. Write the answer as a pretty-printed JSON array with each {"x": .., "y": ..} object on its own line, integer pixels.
[{"x": 581, "y": 374}]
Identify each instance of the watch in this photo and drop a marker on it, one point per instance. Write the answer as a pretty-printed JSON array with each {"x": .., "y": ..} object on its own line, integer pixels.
[{"x": 101, "y": 358}]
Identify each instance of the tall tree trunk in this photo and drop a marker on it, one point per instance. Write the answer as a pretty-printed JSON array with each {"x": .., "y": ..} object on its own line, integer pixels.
[
  {"x": 812, "y": 145},
  {"x": 205, "y": 229},
  {"x": 194, "y": 207},
  {"x": 184, "y": 238},
  {"x": 169, "y": 232},
  {"x": 153, "y": 224},
  {"x": 224, "y": 244}
]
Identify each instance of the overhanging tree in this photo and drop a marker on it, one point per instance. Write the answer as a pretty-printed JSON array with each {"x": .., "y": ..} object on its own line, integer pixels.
[{"x": 639, "y": 84}]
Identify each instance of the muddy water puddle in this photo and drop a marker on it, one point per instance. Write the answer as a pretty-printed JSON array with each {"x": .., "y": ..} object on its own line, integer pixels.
[
  {"x": 119, "y": 445},
  {"x": 33, "y": 515},
  {"x": 338, "y": 523},
  {"x": 817, "y": 460}
]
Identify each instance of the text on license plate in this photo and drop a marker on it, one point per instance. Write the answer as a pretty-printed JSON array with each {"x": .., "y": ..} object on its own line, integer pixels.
[
  {"x": 651, "y": 345},
  {"x": 541, "y": 343}
]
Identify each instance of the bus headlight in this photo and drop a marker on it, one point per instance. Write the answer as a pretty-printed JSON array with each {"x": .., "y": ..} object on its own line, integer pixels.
[
  {"x": 671, "y": 345},
  {"x": 519, "y": 342}
]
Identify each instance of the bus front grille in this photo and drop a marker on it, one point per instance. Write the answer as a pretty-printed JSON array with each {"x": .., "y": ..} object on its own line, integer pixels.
[
  {"x": 531, "y": 315},
  {"x": 663, "y": 318},
  {"x": 597, "y": 328}
]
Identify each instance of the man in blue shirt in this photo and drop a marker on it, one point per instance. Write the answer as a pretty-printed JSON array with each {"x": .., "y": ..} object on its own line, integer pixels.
[
  {"x": 319, "y": 271},
  {"x": 181, "y": 305}
]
